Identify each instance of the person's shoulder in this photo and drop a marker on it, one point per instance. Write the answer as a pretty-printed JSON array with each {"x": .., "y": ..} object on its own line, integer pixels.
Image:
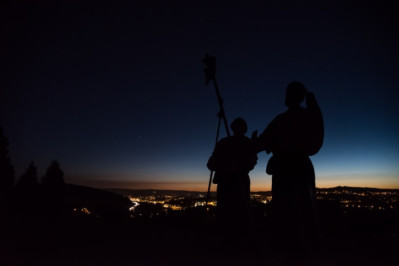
[
  {"x": 300, "y": 110},
  {"x": 240, "y": 138},
  {"x": 228, "y": 138},
  {"x": 281, "y": 117},
  {"x": 245, "y": 138},
  {"x": 225, "y": 140},
  {"x": 234, "y": 139}
]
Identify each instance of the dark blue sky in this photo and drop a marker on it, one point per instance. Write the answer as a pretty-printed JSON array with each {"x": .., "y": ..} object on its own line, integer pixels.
[{"x": 116, "y": 91}]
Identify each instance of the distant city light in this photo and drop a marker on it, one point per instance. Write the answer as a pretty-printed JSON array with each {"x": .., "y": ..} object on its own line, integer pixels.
[{"x": 346, "y": 197}]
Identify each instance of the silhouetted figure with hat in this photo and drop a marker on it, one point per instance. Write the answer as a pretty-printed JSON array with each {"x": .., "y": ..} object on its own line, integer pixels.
[
  {"x": 292, "y": 137},
  {"x": 232, "y": 160}
]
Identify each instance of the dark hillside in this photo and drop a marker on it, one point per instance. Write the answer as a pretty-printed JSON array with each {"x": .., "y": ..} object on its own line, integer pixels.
[{"x": 95, "y": 202}]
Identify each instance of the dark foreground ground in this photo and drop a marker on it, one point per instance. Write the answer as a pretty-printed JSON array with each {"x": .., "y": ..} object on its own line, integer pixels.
[{"x": 81, "y": 241}]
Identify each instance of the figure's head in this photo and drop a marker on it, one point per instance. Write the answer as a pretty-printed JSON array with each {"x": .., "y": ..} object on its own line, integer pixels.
[
  {"x": 239, "y": 126},
  {"x": 295, "y": 94}
]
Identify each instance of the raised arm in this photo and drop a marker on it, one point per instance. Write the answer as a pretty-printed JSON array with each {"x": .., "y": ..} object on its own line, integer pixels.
[{"x": 316, "y": 124}]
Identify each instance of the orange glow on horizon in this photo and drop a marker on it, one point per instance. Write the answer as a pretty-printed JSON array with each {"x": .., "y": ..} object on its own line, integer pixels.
[{"x": 256, "y": 185}]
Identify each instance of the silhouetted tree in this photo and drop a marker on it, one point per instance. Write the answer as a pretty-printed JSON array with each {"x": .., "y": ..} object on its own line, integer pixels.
[
  {"x": 6, "y": 174},
  {"x": 53, "y": 189},
  {"x": 28, "y": 180},
  {"x": 54, "y": 176},
  {"x": 6, "y": 168},
  {"x": 27, "y": 191}
]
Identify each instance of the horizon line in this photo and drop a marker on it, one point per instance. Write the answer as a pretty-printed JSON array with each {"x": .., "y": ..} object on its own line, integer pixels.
[{"x": 199, "y": 191}]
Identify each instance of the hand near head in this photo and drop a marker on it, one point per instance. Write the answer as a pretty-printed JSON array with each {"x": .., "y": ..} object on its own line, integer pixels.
[
  {"x": 254, "y": 134},
  {"x": 311, "y": 103}
]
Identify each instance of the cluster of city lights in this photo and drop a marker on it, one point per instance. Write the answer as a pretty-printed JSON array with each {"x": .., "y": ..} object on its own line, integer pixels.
[
  {"x": 83, "y": 210},
  {"x": 362, "y": 199},
  {"x": 165, "y": 202},
  {"x": 348, "y": 198}
]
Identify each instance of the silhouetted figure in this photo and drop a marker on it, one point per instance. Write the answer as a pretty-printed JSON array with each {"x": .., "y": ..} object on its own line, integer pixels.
[
  {"x": 292, "y": 137},
  {"x": 232, "y": 160}
]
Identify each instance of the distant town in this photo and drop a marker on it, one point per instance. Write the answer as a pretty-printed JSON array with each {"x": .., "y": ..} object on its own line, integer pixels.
[{"x": 151, "y": 203}]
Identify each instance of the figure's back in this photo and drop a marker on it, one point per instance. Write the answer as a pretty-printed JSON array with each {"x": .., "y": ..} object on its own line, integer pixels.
[
  {"x": 295, "y": 131},
  {"x": 233, "y": 156}
]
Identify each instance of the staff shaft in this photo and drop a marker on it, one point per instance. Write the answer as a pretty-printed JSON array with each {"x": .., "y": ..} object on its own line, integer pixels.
[{"x": 222, "y": 113}]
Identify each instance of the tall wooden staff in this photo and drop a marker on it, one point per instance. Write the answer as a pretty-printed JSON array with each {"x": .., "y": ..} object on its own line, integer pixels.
[{"x": 210, "y": 72}]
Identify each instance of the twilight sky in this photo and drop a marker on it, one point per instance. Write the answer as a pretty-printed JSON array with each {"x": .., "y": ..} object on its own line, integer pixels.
[{"x": 116, "y": 92}]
